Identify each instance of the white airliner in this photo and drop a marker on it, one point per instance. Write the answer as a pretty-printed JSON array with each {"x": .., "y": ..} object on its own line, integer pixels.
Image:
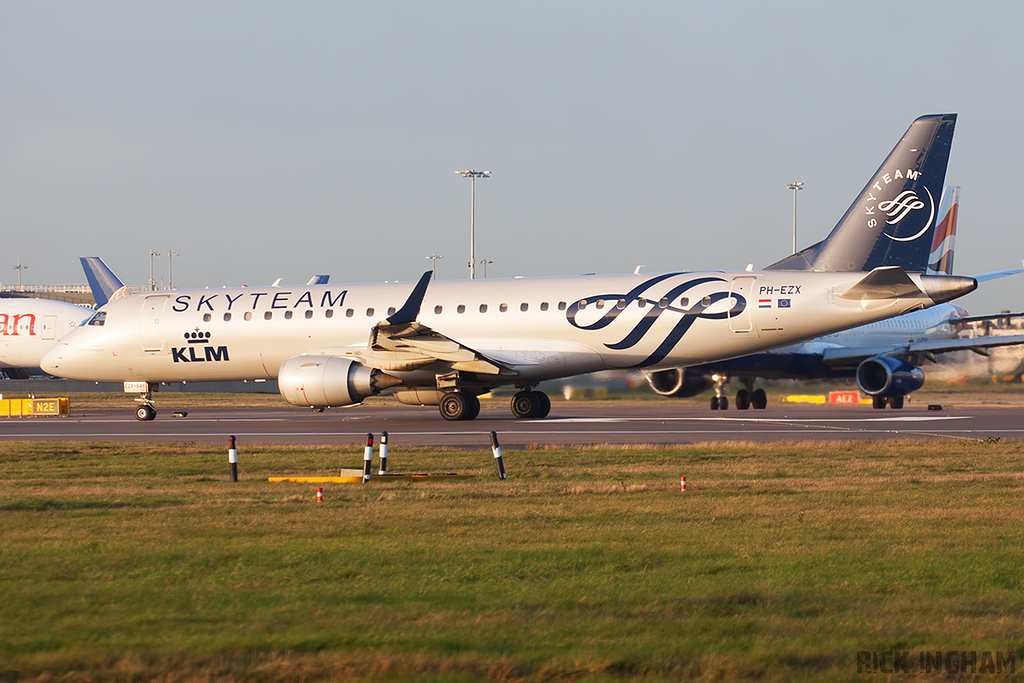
[
  {"x": 29, "y": 327},
  {"x": 445, "y": 343}
]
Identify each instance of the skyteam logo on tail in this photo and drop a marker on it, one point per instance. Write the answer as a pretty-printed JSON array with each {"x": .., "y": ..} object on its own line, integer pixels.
[{"x": 906, "y": 204}]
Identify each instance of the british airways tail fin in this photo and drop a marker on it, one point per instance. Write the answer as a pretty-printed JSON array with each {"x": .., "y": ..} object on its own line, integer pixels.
[
  {"x": 940, "y": 259},
  {"x": 104, "y": 284},
  {"x": 892, "y": 221}
]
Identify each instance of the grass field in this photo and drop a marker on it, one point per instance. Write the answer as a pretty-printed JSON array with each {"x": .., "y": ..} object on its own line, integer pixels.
[{"x": 780, "y": 562}]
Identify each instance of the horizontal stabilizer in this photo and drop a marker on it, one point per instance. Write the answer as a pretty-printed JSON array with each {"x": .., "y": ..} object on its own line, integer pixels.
[{"x": 887, "y": 282}]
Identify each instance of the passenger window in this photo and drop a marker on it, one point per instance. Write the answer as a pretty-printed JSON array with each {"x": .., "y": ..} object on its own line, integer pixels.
[
  {"x": 287, "y": 315},
  {"x": 483, "y": 308},
  {"x": 391, "y": 310},
  {"x": 369, "y": 312},
  {"x": 524, "y": 307},
  {"x": 621, "y": 304},
  {"x": 503, "y": 308},
  {"x": 561, "y": 305},
  {"x": 248, "y": 315},
  {"x": 227, "y": 316},
  {"x": 583, "y": 304},
  {"x": 461, "y": 308},
  {"x": 309, "y": 314},
  {"x": 349, "y": 313},
  {"x": 600, "y": 303},
  {"x": 207, "y": 318},
  {"x": 641, "y": 303},
  {"x": 663, "y": 303},
  {"x": 685, "y": 301},
  {"x": 543, "y": 305},
  {"x": 329, "y": 313},
  {"x": 706, "y": 301},
  {"x": 268, "y": 315},
  {"x": 437, "y": 310}
]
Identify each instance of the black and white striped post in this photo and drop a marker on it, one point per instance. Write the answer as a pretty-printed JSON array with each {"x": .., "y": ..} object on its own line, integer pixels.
[
  {"x": 367, "y": 457},
  {"x": 232, "y": 458},
  {"x": 383, "y": 453},
  {"x": 496, "y": 449}
]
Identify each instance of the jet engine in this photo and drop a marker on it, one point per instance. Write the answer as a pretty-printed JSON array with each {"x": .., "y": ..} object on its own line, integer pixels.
[
  {"x": 887, "y": 376},
  {"x": 325, "y": 381},
  {"x": 678, "y": 382}
]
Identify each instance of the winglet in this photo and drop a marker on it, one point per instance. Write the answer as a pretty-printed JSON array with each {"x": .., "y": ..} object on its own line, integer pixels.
[
  {"x": 411, "y": 309},
  {"x": 104, "y": 284}
]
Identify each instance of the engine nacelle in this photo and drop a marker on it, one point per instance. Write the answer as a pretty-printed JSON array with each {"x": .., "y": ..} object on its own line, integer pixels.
[
  {"x": 887, "y": 376},
  {"x": 326, "y": 381},
  {"x": 678, "y": 382}
]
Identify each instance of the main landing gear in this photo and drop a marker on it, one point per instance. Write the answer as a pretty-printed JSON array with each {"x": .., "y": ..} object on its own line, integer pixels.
[
  {"x": 746, "y": 398},
  {"x": 894, "y": 402},
  {"x": 458, "y": 406}
]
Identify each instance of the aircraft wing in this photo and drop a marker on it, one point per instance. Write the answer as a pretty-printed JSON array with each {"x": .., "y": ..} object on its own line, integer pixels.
[
  {"x": 852, "y": 355},
  {"x": 411, "y": 345}
]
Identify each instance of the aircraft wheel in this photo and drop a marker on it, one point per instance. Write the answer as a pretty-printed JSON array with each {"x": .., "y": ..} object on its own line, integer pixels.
[
  {"x": 878, "y": 402},
  {"x": 472, "y": 407},
  {"x": 759, "y": 399},
  {"x": 714, "y": 403},
  {"x": 543, "y": 404},
  {"x": 145, "y": 413},
  {"x": 742, "y": 399},
  {"x": 525, "y": 404},
  {"x": 723, "y": 403},
  {"x": 896, "y": 402},
  {"x": 454, "y": 406}
]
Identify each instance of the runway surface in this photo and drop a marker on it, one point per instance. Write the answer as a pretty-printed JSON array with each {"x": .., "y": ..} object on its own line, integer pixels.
[{"x": 595, "y": 423}]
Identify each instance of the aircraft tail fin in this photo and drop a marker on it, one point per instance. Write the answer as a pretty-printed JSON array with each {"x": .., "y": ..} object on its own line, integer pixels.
[
  {"x": 892, "y": 221},
  {"x": 319, "y": 280},
  {"x": 104, "y": 284},
  {"x": 940, "y": 260}
]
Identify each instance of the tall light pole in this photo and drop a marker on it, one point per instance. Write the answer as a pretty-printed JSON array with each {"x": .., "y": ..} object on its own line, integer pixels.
[
  {"x": 433, "y": 266},
  {"x": 795, "y": 187},
  {"x": 19, "y": 268},
  {"x": 484, "y": 263},
  {"x": 152, "y": 282},
  {"x": 169, "y": 255},
  {"x": 473, "y": 174}
]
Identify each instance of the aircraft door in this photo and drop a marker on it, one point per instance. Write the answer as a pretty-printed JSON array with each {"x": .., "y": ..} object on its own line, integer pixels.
[
  {"x": 151, "y": 336},
  {"x": 740, "y": 320},
  {"x": 49, "y": 330}
]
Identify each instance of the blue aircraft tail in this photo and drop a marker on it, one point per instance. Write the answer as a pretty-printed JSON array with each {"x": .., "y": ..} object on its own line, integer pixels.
[
  {"x": 893, "y": 220},
  {"x": 104, "y": 284}
]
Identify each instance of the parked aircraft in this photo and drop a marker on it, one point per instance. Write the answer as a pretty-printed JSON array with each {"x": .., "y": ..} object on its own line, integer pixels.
[
  {"x": 884, "y": 356},
  {"x": 445, "y": 343},
  {"x": 29, "y": 327}
]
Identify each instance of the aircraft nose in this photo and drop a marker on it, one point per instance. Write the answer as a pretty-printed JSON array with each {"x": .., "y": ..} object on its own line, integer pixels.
[
  {"x": 942, "y": 288},
  {"x": 53, "y": 359}
]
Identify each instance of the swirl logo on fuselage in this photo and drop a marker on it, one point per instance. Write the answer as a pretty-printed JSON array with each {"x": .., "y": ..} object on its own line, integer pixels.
[
  {"x": 898, "y": 208},
  {"x": 658, "y": 306}
]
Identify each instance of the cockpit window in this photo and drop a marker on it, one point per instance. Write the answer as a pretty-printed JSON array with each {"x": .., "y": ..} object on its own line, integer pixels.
[{"x": 97, "y": 319}]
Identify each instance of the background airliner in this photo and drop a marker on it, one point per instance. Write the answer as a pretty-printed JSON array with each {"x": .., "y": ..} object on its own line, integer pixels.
[
  {"x": 445, "y": 343},
  {"x": 29, "y": 327}
]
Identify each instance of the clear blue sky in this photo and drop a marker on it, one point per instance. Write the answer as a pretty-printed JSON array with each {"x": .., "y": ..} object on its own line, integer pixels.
[{"x": 269, "y": 139}]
